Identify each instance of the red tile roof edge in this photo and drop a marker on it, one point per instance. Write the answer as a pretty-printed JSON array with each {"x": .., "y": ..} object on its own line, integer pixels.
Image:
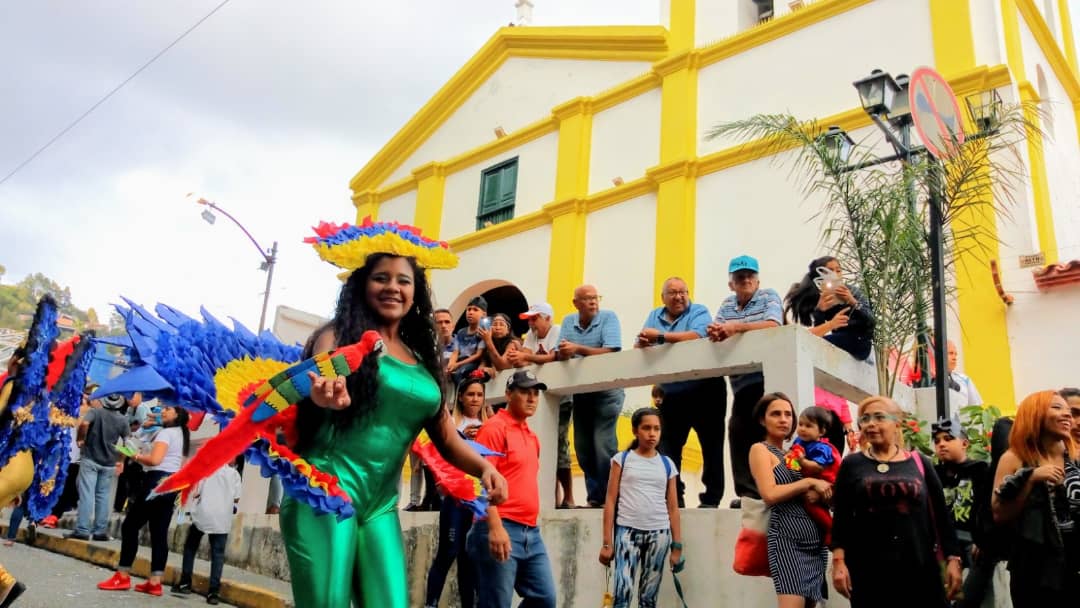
[{"x": 1056, "y": 275}]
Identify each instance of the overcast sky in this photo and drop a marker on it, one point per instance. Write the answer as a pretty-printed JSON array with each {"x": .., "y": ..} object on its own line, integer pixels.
[{"x": 268, "y": 108}]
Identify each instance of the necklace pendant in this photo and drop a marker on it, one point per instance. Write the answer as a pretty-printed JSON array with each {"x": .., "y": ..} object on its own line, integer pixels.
[{"x": 882, "y": 467}]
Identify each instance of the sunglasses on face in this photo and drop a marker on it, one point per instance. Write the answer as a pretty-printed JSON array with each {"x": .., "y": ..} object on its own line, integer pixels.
[{"x": 878, "y": 417}]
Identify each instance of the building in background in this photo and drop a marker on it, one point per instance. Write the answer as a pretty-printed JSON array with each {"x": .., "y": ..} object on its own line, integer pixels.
[{"x": 565, "y": 155}]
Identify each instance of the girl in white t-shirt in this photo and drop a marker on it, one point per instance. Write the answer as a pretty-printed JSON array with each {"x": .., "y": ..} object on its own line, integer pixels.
[
  {"x": 168, "y": 448},
  {"x": 641, "y": 514}
]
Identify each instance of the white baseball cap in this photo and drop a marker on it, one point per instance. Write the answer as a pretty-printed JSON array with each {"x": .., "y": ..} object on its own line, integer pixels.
[{"x": 538, "y": 309}]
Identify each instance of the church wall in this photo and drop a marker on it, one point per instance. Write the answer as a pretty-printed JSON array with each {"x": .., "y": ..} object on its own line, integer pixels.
[
  {"x": 535, "y": 185},
  {"x": 520, "y": 92},
  {"x": 399, "y": 209},
  {"x": 809, "y": 72},
  {"x": 625, "y": 141},
  {"x": 521, "y": 260}
]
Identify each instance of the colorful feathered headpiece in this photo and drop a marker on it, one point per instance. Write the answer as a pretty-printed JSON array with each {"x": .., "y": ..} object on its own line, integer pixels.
[{"x": 348, "y": 247}]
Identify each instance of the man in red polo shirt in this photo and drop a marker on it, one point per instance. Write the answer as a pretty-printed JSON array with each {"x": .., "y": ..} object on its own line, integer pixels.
[{"x": 506, "y": 548}]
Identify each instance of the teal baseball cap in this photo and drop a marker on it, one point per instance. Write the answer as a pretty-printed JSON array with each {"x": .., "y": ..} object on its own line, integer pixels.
[{"x": 743, "y": 262}]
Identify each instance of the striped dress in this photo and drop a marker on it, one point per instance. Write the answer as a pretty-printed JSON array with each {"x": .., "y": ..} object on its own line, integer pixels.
[{"x": 797, "y": 554}]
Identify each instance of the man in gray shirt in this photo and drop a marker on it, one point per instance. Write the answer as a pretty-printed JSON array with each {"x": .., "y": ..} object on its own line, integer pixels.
[{"x": 98, "y": 433}]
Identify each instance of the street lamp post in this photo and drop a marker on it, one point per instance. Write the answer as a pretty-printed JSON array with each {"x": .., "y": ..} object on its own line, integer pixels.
[
  {"x": 269, "y": 255},
  {"x": 885, "y": 100}
]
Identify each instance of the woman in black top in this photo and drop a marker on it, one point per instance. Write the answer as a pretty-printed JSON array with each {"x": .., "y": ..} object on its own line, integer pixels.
[
  {"x": 1037, "y": 492},
  {"x": 889, "y": 519},
  {"x": 839, "y": 313}
]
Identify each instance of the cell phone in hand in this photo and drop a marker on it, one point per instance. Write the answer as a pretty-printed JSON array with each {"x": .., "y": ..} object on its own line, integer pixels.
[{"x": 485, "y": 323}]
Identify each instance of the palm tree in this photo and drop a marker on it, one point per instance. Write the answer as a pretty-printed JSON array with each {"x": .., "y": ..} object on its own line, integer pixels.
[{"x": 875, "y": 215}]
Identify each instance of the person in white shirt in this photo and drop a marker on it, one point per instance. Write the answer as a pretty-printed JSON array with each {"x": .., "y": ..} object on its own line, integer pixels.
[
  {"x": 166, "y": 454},
  {"x": 969, "y": 395},
  {"x": 212, "y": 506},
  {"x": 540, "y": 346},
  {"x": 641, "y": 514}
]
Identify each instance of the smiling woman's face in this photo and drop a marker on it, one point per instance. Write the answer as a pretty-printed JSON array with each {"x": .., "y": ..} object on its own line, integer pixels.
[{"x": 390, "y": 288}]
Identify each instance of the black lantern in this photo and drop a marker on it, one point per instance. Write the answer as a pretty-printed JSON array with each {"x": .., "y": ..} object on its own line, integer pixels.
[
  {"x": 877, "y": 92},
  {"x": 985, "y": 110},
  {"x": 837, "y": 143},
  {"x": 900, "y": 111}
]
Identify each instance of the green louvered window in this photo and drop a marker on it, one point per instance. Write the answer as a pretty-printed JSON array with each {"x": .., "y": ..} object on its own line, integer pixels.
[{"x": 498, "y": 189}]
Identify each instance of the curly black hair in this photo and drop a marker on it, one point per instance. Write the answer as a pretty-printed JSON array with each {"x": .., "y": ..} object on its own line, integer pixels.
[{"x": 352, "y": 318}]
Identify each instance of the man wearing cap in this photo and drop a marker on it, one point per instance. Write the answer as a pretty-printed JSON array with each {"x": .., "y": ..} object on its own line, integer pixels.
[
  {"x": 506, "y": 547},
  {"x": 540, "y": 346},
  {"x": 967, "y": 484},
  {"x": 588, "y": 332},
  {"x": 99, "y": 463},
  {"x": 694, "y": 404},
  {"x": 749, "y": 308},
  {"x": 468, "y": 343}
]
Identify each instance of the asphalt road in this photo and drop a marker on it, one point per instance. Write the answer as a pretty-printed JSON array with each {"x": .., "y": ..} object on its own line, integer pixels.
[{"x": 56, "y": 581}]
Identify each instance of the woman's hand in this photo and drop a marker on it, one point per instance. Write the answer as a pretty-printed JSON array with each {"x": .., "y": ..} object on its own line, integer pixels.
[
  {"x": 841, "y": 319},
  {"x": 485, "y": 334},
  {"x": 841, "y": 578},
  {"x": 495, "y": 484},
  {"x": 606, "y": 554},
  {"x": 953, "y": 578},
  {"x": 675, "y": 557},
  {"x": 329, "y": 393},
  {"x": 826, "y": 300},
  {"x": 822, "y": 487},
  {"x": 1049, "y": 473},
  {"x": 471, "y": 431}
]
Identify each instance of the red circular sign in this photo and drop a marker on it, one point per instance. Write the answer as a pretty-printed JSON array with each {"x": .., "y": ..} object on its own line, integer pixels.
[{"x": 935, "y": 113}]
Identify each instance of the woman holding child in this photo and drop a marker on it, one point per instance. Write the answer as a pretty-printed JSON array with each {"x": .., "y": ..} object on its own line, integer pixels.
[{"x": 796, "y": 549}]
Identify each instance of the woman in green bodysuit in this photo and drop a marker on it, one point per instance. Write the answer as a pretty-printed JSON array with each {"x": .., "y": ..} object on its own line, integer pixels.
[{"x": 360, "y": 428}]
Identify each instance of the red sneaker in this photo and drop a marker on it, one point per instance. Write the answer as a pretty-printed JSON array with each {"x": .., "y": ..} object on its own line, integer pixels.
[
  {"x": 49, "y": 522},
  {"x": 149, "y": 588},
  {"x": 117, "y": 582}
]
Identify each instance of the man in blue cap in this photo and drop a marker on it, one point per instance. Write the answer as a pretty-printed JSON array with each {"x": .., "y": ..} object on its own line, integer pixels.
[{"x": 749, "y": 308}]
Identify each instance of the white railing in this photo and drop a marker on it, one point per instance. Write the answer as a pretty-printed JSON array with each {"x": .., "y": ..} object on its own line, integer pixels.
[{"x": 792, "y": 359}]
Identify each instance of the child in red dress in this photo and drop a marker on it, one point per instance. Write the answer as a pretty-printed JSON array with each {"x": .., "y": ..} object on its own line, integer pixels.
[{"x": 812, "y": 455}]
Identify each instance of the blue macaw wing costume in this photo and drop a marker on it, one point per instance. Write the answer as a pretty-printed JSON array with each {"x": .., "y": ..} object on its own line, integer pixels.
[{"x": 208, "y": 367}]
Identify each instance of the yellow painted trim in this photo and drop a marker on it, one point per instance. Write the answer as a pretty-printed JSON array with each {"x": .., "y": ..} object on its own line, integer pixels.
[
  {"x": 566, "y": 255},
  {"x": 614, "y": 43},
  {"x": 1067, "y": 39},
  {"x": 619, "y": 194},
  {"x": 503, "y": 145},
  {"x": 1040, "y": 188},
  {"x": 683, "y": 24},
  {"x": 430, "y": 191},
  {"x": 626, "y": 91},
  {"x": 778, "y": 27},
  {"x": 984, "y": 327},
  {"x": 367, "y": 205},
  {"x": 500, "y": 231},
  {"x": 396, "y": 189},
  {"x": 954, "y": 43}
]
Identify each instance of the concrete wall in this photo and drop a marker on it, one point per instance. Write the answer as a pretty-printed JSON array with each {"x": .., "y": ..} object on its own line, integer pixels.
[
  {"x": 399, "y": 209},
  {"x": 520, "y": 92}
]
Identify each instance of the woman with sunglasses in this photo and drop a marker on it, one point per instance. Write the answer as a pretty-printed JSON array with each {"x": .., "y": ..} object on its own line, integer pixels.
[
  {"x": 1037, "y": 492},
  {"x": 890, "y": 522}
]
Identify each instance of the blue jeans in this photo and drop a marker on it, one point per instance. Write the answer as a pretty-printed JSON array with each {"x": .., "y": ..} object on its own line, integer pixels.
[
  {"x": 95, "y": 483},
  {"x": 17, "y": 515},
  {"x": 217, "y": 556},
  {"x": 528, "y": 571},
  {"x": 595, "y": 417}
]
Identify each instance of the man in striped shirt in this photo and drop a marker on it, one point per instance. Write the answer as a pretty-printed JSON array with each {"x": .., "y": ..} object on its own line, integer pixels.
[{"x": 749, "y": 308}]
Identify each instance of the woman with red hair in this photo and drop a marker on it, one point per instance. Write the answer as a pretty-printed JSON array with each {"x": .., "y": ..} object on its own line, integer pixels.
[{"x": 1037, "y": 491}]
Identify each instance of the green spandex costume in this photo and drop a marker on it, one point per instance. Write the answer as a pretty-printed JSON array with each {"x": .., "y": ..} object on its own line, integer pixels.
[{"x": 361, "y": 560}]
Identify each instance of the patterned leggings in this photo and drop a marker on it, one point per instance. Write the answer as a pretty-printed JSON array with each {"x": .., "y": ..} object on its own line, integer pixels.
[{"x": 645, "y": 549}]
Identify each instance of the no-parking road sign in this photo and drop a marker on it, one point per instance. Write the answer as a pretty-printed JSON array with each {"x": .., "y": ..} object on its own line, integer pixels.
[{"x": 935, "y": 113}]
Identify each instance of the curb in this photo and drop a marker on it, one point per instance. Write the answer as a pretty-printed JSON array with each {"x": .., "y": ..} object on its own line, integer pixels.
[{"x": 239, "y": 594}]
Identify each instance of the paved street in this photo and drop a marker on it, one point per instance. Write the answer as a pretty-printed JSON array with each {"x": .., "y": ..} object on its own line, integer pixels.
[{"x": 54, "y": 580}]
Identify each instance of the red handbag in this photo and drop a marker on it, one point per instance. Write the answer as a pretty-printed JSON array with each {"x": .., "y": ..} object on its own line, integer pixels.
[{"x": 752, "y": 544}]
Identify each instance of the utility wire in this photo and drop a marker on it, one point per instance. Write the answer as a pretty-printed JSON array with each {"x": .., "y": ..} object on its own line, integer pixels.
[{"x": 71, "y": 126}]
